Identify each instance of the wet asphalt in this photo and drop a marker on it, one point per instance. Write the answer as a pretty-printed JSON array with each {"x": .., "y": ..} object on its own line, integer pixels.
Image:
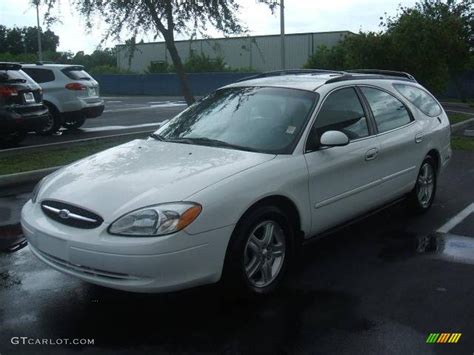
[{"x": 379, "y": 286}]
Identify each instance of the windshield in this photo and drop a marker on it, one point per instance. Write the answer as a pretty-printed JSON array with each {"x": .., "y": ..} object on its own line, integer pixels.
[{"x": 261, "y": 119}]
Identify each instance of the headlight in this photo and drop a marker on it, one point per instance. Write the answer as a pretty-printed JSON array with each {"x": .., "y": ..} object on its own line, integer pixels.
[
  {"x": 156, "y": 220},
  {"x": 34, "y": 194}
]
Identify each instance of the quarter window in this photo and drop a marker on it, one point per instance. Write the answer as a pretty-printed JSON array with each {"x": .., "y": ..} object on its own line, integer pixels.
[
  {"x": 389, "y": 112},
  {"x": 420, "y": 98},
  {"x": 342, "y": 111}
]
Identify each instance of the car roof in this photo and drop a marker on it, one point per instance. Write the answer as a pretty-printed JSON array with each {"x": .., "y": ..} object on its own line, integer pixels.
[
  {"x": 312, "y": 80},
  {"x": 47, "y": 65}
]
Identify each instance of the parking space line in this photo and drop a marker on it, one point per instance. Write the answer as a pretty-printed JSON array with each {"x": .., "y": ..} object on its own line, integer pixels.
[
  {"x": 456, "y": 111},
  {"x": 454, "y": 221}
]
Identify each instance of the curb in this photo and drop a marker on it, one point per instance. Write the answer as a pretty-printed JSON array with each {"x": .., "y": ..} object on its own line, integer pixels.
[
  {"x": 459, "y": 127},
  {"x": 25, "y": 177},
  {"x": 73, "y": 142}
]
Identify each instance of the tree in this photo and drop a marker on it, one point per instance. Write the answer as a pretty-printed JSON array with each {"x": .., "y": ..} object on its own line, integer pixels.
[
  {"x": 429, "y": 40},
  {"x": 165, "y": 18},
  {"x": 49, "y": 40}
]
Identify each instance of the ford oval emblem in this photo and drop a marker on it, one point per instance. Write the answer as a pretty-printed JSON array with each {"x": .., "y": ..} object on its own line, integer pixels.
[{"x": 64, "y": 214}]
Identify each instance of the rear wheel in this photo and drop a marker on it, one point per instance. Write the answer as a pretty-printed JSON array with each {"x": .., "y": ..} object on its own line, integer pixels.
[
  {"x": 259, "y": 252},
  {"x": 74, "y": 123},
  {"x": 423, "y": 193},
  {"x": 52, "y": 123}
]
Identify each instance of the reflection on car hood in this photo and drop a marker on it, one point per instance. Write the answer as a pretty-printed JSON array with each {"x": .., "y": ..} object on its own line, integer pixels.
[{"x": 141, "y": 173}]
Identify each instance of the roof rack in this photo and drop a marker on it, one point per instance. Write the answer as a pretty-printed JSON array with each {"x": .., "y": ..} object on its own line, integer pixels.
[
  {"x": 383, "y": 72},
  {"x": 372, "y": 74},
  {"x": 290, "y": 72}
]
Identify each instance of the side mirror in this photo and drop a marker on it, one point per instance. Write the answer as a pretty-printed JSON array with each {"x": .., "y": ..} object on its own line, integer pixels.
[{"x": 334, "y": 139}]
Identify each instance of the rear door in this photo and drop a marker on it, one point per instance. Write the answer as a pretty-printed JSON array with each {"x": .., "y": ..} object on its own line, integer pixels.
[
  {"x": 397, "y": 135},
  {"x": 343, "y": 180}
]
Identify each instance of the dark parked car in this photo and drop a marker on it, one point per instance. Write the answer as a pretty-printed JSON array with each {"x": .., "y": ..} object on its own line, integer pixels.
[{"x": 21, "y": 105}]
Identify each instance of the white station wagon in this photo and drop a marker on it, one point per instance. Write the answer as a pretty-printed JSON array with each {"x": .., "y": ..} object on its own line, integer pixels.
[{"x": 229, "y": 188}]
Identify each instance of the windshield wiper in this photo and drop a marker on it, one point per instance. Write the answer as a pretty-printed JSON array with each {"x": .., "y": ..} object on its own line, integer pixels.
[
  {"x": 212, "y": 142},
  {"x": 158, "y": 137},
  {"x": 12, "y": 81}
]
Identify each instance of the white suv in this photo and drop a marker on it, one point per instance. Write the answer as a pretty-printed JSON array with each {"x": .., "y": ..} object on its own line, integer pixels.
[
  {"x": 229, "y": 188},
  {"x": 70, "y": 93}
]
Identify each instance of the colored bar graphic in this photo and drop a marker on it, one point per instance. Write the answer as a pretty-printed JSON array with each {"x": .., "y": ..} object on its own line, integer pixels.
[
  {"x": 443, "y": 338},
  {"x": 432, "y": 338}
]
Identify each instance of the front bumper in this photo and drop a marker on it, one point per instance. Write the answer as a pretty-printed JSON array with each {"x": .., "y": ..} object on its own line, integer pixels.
[{"x": 158, "y": 264}]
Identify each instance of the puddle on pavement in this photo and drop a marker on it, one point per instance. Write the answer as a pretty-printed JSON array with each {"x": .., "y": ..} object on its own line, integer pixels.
[{"x": 450, "y": 247}]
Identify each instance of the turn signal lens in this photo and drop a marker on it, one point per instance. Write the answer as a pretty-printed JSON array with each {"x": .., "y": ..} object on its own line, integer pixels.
[{"x": 188, "y": 217}]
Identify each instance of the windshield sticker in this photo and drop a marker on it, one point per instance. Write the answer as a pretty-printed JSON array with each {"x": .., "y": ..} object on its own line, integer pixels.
[{"x": 290, "y": 129}]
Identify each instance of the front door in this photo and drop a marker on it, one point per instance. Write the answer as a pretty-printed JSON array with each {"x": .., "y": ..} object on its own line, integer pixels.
[{"x": 343, "y": 181}]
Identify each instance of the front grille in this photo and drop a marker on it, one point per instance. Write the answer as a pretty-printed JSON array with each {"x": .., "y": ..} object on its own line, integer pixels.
[{"x": 71, "y": 215}]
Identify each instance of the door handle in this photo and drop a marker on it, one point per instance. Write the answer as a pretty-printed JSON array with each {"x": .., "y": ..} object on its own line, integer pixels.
[
  {"x": 371, "y": 154},
  {"x": 419, "y": 138}
]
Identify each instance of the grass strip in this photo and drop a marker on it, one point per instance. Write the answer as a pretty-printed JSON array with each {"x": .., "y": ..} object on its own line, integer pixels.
[
  {"x": 458, "y": 117},
  {"x": 17, "y": 162},
  {"x": 462, "y": 143}
]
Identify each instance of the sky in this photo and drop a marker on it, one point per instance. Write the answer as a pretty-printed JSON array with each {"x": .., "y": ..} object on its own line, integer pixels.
[{"x": 301, "y": 16}]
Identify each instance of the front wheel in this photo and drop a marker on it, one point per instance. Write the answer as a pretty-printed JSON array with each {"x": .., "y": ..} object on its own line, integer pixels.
[
  {"x": 259, "y": 252},
  {"x": 74, "y": 124},
  {"x": 423, "y": 193}
]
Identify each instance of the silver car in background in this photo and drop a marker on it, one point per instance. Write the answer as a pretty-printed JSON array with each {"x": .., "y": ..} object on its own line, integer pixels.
[{"x": 70, "y": 93}]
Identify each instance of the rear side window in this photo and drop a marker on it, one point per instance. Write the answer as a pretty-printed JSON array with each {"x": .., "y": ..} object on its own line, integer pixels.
[
  {"x": 342, "y": 111},
  {"x": 76, "y": 73},
  {"x": 420, "y": 98},
  {"x": 40, "y": 75},
  {"x": 389, "y": 112}
]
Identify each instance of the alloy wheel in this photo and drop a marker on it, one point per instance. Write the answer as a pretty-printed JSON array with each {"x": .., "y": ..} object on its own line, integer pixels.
[
  {"x": 264, "y": 254},
  {"x": 425, "y": 185}
]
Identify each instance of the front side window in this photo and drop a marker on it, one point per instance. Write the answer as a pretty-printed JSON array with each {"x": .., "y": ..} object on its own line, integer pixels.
[
  {"x": 421, "y": 99},
  {"x": 341, "y": 111},
  {"x": 261, "y": 119},
  {"x": 389, "y": 112}
]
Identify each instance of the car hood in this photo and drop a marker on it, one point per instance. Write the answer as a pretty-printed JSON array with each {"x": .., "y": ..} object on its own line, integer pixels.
[{"x": 142, "y": 173}]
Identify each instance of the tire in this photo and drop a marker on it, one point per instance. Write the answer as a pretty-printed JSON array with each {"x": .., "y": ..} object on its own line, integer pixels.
[
  {"x": 256, "y": 263},
  {"x": 74, "y": 124},
  {"x": 53, "y": 123},
  {"x": 12, "y": 139},
  {"x": 422, "y": 196}
]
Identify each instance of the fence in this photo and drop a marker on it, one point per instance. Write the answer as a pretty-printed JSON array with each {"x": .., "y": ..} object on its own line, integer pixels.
[
  {"x": 164, "y": 84},
  {"x": 203, "y": 83}
]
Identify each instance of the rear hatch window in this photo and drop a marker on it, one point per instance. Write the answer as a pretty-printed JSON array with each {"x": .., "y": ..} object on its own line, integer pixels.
[
  {"x": 77, "y": 73},
  {"x": 14, "y": 77}
]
